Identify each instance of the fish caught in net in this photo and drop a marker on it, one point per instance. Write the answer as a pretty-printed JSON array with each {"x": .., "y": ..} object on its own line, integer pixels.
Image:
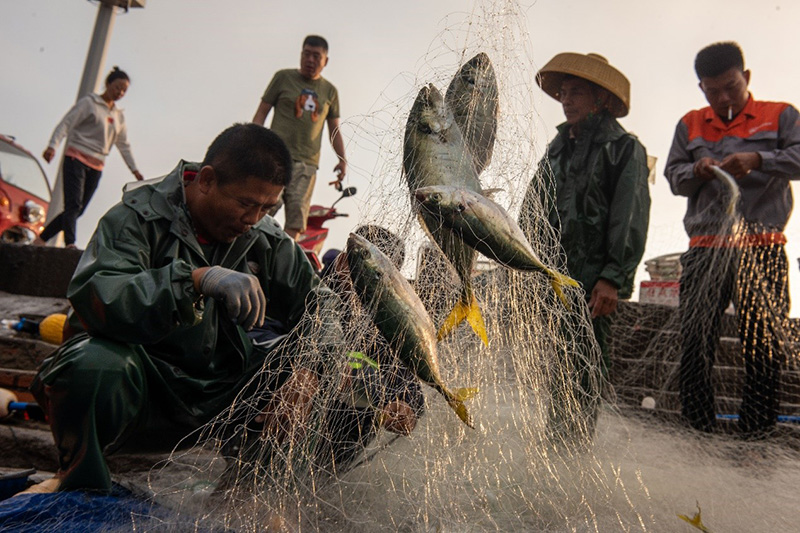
[{"x": 507, "y": 419}]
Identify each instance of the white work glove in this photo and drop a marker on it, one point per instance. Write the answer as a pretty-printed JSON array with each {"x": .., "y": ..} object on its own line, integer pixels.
[{"x": 240, "y": 293}]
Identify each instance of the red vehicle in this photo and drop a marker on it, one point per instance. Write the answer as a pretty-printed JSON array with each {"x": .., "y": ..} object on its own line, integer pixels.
[
  {"x": 24, "y": 193},
  {"x": 314, "y": 237}
]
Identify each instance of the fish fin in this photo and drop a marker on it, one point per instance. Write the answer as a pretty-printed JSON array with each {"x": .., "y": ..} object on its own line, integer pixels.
[
  {"x": 489, "y": 193},
  {"x": 461, "y": 410},
  {"x": 456, "y": 317},
  {"x": 475, "y": 320},
  {"x": 469, "y": 312},
  {"x": 465, "y": 393},
  {"x": 695, "y": 520},
  {"x": 558, "y": 280}
]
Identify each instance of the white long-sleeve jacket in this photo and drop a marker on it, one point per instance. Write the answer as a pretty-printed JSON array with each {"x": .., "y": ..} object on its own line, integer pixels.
[{"x": 92, "y": 127}]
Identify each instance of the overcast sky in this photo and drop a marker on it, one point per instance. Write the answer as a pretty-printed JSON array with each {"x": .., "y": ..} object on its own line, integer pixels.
[{"x": 197, "y": 66}]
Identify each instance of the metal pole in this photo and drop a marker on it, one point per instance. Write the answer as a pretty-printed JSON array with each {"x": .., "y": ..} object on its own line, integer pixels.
[
  {"x": 92, "y": 74},
  {"x": 96, "y": 57}
]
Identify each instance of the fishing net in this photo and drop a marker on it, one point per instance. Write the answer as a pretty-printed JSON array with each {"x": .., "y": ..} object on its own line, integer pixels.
[{"x": 552, "y": 448}]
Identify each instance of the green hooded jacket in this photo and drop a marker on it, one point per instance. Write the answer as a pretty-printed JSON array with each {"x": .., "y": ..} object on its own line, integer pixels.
[
  {"x": 594, "y": 192},
  {"x": 133, "y": 285}
]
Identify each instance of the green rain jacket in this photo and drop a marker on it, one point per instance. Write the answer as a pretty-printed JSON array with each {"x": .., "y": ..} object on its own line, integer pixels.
[
  {"x": 133, "y": 285},
  {"x": 594, "y": 191}
]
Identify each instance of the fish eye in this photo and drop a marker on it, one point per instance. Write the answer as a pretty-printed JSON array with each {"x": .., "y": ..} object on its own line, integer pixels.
[
  {"x": 471, "y": 80},
  {"x": 436, "y": 197},
  {"x": 424, "y": 128},
  {"x": 461, "y": 208}
]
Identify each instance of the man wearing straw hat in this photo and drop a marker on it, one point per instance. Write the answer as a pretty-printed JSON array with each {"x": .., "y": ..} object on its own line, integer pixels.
[
  {"x": 592, "y": 187},
  {"x": 758, "y": 144}
]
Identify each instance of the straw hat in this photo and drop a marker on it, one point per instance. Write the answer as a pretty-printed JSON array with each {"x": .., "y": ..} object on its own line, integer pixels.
[{"x": 592, "y": 67}]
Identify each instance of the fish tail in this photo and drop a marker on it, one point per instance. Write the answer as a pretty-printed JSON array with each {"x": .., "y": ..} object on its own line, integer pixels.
[
  {"x": 696, "y": 520},
  {"x": 455, "y": 318},
  {"x": 558, "y": 280},
  {"x": 475, "y": 320},
  {"x": 465, "y": 309},
  {"x": 458, "y": 406}
]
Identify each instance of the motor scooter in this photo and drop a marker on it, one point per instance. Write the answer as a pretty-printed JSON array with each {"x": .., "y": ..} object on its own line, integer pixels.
[{"x": 312, "y": 240}]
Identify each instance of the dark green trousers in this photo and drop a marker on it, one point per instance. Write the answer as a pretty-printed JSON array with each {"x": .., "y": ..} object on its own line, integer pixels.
[
  {"x": 576, "y": 379},
  {"x": 103, "y": 396}
]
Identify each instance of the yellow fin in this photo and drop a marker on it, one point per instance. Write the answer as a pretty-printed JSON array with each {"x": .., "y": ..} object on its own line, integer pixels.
[
  {"x": 461, "y": 410},
  {"x": 695, "y": 521},
  {"x": 465, "y": 393},
  {"x": 455, "y": 318},
  {"x": 558, "y": 280},
  {"x": 462, "y": 311}
]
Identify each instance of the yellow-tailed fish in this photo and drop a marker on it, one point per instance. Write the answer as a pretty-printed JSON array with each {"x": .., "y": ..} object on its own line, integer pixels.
[
  {"x": 435, "y": 153},
  {"x": 486, "y": 226},
  {"x": 401, "y": 317}
]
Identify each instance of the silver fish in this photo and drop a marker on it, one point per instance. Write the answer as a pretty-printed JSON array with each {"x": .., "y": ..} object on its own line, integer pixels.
[
  {"x": 435, "y": 153},
  {"x": 472, "y": 96},
  {"x": 486, "y": 226},
  {"x": 401, "y": 317}
]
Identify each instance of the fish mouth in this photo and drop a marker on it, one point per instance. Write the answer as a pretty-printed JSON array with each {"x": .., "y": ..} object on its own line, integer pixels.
[{"x": 420, "y": 196}]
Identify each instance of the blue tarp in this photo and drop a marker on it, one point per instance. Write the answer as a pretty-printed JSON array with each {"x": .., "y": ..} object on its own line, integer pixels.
[{"x": 79, "y": 512}]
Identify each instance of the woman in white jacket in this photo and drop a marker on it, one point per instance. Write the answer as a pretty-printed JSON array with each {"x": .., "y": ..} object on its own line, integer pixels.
[{"x": 92, "y": 126}]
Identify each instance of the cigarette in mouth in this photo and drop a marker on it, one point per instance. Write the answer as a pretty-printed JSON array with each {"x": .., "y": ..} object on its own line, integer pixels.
[{"x": 730, "y": 112}]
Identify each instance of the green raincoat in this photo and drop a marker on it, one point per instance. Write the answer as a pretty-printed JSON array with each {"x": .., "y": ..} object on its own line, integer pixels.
[
  {"x": 156, "y": 359},
  {"x": 594, "y": 192}
]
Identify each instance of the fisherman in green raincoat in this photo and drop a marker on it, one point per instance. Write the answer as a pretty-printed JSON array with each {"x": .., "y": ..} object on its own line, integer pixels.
[
  {"x": 170, "y": 283},
  {"x": 592, "y": 185}
]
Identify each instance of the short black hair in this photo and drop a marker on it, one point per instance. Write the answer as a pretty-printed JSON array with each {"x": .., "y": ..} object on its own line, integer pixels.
[
  {"x": 116, "y": 74},
  {"x": 718, "y": 58},
  {"x": 386, "y": 241},
  {"x": 248, "y": 149},
  {"x": 316, "y": 40}
]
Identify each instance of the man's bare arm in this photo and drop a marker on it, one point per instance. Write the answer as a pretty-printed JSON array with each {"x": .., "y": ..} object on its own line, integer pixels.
[
  {"x": 337, "y": 142},
  {"x": 261, "y": 113}
]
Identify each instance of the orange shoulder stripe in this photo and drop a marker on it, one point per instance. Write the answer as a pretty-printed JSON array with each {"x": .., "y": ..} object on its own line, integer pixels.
[{"x": 756, "y": 117}]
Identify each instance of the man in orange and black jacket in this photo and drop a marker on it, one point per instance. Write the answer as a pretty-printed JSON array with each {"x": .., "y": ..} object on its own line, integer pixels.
[{"x": 736, "y": 256}]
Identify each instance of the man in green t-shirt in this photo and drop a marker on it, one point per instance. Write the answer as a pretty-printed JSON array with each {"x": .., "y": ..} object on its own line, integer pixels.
[{"x": 303, "y": 101}]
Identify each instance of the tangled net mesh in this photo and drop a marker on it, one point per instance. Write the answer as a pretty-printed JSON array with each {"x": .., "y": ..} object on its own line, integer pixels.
[{"x": 546, "y": 454}]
